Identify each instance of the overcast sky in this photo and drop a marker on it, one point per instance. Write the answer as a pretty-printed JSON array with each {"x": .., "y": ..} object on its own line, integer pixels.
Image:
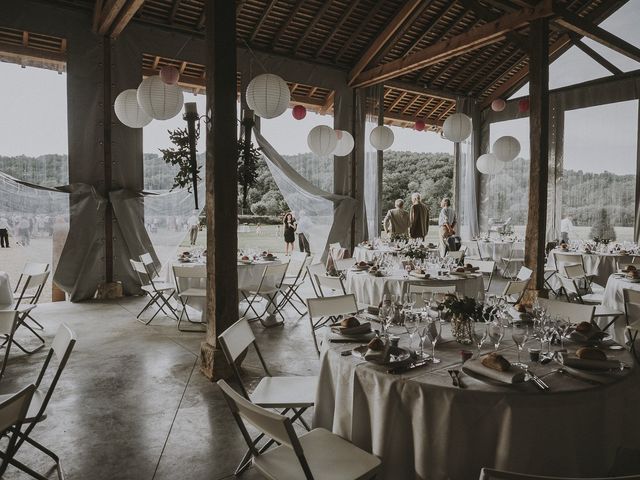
[{"x": 34, "y": 122}]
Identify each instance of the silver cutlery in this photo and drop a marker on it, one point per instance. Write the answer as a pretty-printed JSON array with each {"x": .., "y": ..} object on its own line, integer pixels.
[{"x": 454, "y": 378}]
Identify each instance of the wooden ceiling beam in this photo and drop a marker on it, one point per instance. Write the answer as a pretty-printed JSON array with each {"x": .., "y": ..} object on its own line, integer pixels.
[
  {"x": 312, "y": 25},
  {"x": 575, "y": 39},
  {"x": 409, "y": 119},
  {"x": 590, "y": 30},
  {"x": 174, "y": 11},
  {"x": 411, "y": 88},
  {"x": 108, "y": 15},
  {"x": 345, "y": 15},
  {"x": 264, "y": 16},
  {"x": 427, "y": 31},
  {"x": 19, "y": 53},
  {"x": 424, "y": 107},
  {"x": 476, "y": 38},
  {"x": 381, "y": 40},
  {"x": 485, "y": 14},
  {"x": 356, "y": 33},
  {"x": 503, "y": 67},
  {"x": 97, "y": 14},
  {"x": 125, "y": 16},
  {"x": 446, "y": 112},
  {"x": 328, "y": 104},
  {"x": 287, "y": 22},
  {"x": 434, "y": 109},
  {"x": 395, "y": 103}
]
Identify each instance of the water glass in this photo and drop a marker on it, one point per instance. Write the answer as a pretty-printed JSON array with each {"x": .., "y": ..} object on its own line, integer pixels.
[
  {"x": 479, "y": 335},
  {"x": 520, "y": 335},
  {"x": 433, "y": 330},
  {"x": 496, "y": 333}
]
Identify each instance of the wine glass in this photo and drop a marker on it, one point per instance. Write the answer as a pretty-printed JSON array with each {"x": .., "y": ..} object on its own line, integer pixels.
[
  {"x": 479, "y": 335},
  {"x": 520, "y": 335},
  {"x": 495, "y": 331},
  {"x": 411, "y": 325},
  {"x": 433, "y": 330},
  {"x": 408, "y": 302},
  {"x": 421, "y": 329}
]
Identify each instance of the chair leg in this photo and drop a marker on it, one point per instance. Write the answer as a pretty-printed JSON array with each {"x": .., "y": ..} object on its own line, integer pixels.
[{"x": 184, "y": 312}]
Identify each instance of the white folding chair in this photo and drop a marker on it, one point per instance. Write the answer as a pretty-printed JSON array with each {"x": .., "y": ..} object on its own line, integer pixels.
[
  {"x": 330, "y": 286},
  {"x": 457, "y": 256},
  {"x": 159, "y": 292},
  {"x": 8, "y": 325},
  {"x": 269, "y": 288},
  {"x": 32, "y": 293},
  {"x": 313, "y": 270},
  {"x": 26, "y": 301},
  {"x": 420, "y": 291},
  {"x": 486, "y": 267},
  {"x": 61, "y": 348},
  {"x": 294, "y": 393},
  {"x": 632, "y": 318},
  {"x": 524, "y": 274},
  {"x": 294, "y": 279},
  {"x": 316, "y": 455},
  {"x": 514, "y": 290},
  {"x": 190, "y": 283},
  {"x": 490, "y": 474},
  {"x": 578, "y": 286},
  {"x": 150, "y": 265},
  {"x": 327, "y": 309},
  {"x": 511, "y": 259},
  {"x": 575, "y": 312}
]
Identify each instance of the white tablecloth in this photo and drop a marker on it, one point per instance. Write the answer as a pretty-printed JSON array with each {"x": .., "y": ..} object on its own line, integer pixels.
[
  {"x": 422, "y": 427},
  {"x": 361, "y": 254},
  {"x": 600, "y": 265},
  {"x": 6, "y": 297},
  {"x": 614, "y": 298},
  {"x": 369, "y": 289}
]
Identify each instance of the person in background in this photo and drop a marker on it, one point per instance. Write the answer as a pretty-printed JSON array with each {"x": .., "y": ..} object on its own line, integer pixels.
[
  {"x": 566, "y": 226},
  {"x": 24, "y": 231},
  {"x": 303, "y": 231},
  {"x": 418, "y": 217},
  {"x": 446, "y": 223},
  {"x": 193, "y": 222},
  {"x": 289, "y": 225},
  {"x": 396, "y": 221},
  {"x": 4, "y": 232}
]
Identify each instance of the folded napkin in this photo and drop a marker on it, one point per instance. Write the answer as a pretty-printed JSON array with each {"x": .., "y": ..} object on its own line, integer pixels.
[
  {"x": 6, "y": 297},
  {"x": 588, "y": 364},
  {"x": 515, "y": 375},
  {"x": 377, "y": 356},
  {"x": 592, "y": 336},
  {"x": 362, "y": 328}
]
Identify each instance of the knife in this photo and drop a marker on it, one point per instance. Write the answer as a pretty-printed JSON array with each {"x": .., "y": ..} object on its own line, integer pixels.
[{"x": 411, "y": 366}]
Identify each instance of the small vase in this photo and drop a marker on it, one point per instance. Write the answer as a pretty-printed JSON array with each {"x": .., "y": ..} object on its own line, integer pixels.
[{"x": 461, "y": 329}]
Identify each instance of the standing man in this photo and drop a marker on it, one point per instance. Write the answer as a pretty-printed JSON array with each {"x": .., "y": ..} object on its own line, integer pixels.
[
  {"x": 418, "y": 217},
  {"x": 303, "y": 231},
  {"x": 396, "y": 221},
  {"x": 566, "y": 225},
  {"x": 446, "y": 223},
  {"x": 194, "y": 224},
  {"x": 4, "y": 232}
]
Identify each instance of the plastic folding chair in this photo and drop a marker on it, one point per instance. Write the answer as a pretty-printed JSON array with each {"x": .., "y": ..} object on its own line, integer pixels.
[
  {"x": 575, "y": 312},
  {"x": 486, "y": 267},
  {"x": 32, "y": 294},
  {"x": 313, "y": 270},
  {"x": 578, "y": 286},
  {"x": 510, "y": 260},
  {"x": 190, "y": 283},
  {"x": 327, "y": 309},
  {"x": 61, "y": 348},
  {"x": 419, "y": 292},
  {"x": 8, "y": 325},
  {"x": 295, "y": 393},
  {"x": 159, "y": 292},
  {"x": 24, "y": 304},
  {"x": 514, "y": 290},
  {"x": 294, "y": 279},
  {"x": 490, "y": 474},
  {"x": 269, "y": 288},
  {"x": 150, "y": 265},
  {"x": 457, "y": 256},
  {"x": 316, "y": 455}
]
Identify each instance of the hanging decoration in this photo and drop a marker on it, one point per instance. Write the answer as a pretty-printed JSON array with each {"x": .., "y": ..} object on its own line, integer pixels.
[
  {"x": 268, "y": 95},
  {"x": 322, "y": 140},
  {"x": 169, "y": 75},
  {"x": 498, "y": 105},
  {"x": 523, "y": 105},
  {"x": 419, "y": 125},
  {"x": 457, "y": 127},
  {"x": 489, "y": 164},
  {"x": 506, "y": 148},
  {"x": 345, "y": 143},
  {"x": 128, "y": 110},
  {"x": 159, "y": 100},
  {"x": 381, "y": 137},
  {"x": 299, "y": 112}
]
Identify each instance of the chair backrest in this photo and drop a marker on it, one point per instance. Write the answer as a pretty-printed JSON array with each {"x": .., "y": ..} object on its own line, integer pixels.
[
  {"x": 631, "y": 305},
  {"x": 459, "y": 255},
  {"x": 13, "y": 412},
  {"x": 313, "y": 270},
  {"x": 236, "y": 339},
  {"x": 61, "y": 347},
  {"x": 332, "y": 306},
  {"x": 568, "y": 284},
  {"x": 297, "y": 262},
  {"x": 484, "y": 266},
  {"x": 32, "y": 268},
  {"x": 574, "y": 271},
  {"x": 515, "y": 288},
  {"x": 326, "y": 282},
  {"x": 193, "y": 272},
  {"x": 562, "y": 259},
  {"x": 574, "y": 312},
  {"x": 524, "y": 274},
  {"x": 419, "y": 291},
  {"x": 33, "y": 286},
  {"x": 273, "y": 275},
  {"x": 7, "y": 321},
  {"x": 141, "y": 271},
  {"x": 490, "y": 474},
  {"x": 343, "y": 264},
  {"x": 149, "y": 264}
]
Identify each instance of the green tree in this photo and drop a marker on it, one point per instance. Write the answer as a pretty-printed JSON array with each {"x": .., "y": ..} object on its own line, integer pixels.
[{"x": 602, "y": 228}]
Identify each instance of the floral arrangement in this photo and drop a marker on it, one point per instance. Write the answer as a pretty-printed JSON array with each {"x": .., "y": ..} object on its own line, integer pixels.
[
  {"x": 466, "y": 307},
  {"x": 414, "y": 252},
  {"x": 399, "y": 237}
]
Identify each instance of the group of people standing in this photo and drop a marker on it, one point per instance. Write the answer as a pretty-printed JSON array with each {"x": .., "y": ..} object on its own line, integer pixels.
[
  {"x": 415, "y": 222},
  {"x": 291, "y": 227}
]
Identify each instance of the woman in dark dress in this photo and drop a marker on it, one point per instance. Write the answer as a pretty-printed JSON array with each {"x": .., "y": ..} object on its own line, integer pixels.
[{"x": 289, "y": 233}]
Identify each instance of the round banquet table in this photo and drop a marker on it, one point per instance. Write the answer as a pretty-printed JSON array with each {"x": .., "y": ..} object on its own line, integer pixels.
[
  {"x": 363, "y": 254},
  {"x": 600, "y": 265},
  {"x": 422, "y": 427},
  {"x": 614, "y": 298},
  {"x": 369, "y": 289}
]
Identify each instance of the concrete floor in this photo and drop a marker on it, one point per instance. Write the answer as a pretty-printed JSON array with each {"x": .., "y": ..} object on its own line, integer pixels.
[{"x": 132, "y": 403}]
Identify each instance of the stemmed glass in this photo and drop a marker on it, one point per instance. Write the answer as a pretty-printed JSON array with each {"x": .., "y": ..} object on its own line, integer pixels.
[
  {"x": 495, "y": 331},
  {"x": 421, "y": 328},
  {"x": 433, "y": 330},
  {"x": 520, "y": 335},
  {"x": 411, "y": 324},
  {"x": 408, "y": 302},
  {"x": 479, "y": 335}
]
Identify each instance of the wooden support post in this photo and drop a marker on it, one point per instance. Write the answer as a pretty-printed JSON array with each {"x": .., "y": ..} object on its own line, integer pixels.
[
  {"x": 539, "y": 137},
  {"x": 221, "y": 183},
  {"x": 108, "y": 213}
]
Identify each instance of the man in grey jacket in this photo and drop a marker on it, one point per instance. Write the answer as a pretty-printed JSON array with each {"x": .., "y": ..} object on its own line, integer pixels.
[{"x": 396, "y": 221}]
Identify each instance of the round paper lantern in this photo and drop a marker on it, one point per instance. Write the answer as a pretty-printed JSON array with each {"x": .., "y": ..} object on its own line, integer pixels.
[
  {"x": 128, "y": 110},
  {"x": 381, "y": 137},
  {"x": 523, "y": 105},
  {"x": 169, "y": 75},
  {"x": 419, "y": 125},
  {"x": 322, "y": 140},
  {"x": 299, "y": 112},
  {"x": 345, "y": 143},
  {"x": 457, "y": 127},
  {"x": 498, "y": 105},
  {"x": 506, "y": 148},
  {"x": 489, "y": 164},
  {"x": 159, "y": 100},
  {"x": 268, "y": 95}
]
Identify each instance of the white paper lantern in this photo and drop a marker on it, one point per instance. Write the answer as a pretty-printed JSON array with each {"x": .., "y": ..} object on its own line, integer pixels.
[
  {"x": 129, "y": 111},
  {"x": 322, "y": 140},
  {"x": 268, "y": 95},
  {"x": 489, "y": 164},
  {"x": 345, "y": 143},
  {"x": 506, "y": 148},
  {"x": 457, "y": 127},
  {"x": 159, "y": 100},
  {"x": 381, "y": 137}
]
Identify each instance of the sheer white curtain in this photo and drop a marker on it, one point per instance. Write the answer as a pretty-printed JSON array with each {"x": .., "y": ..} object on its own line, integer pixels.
[{"x": 372, "y": 165}]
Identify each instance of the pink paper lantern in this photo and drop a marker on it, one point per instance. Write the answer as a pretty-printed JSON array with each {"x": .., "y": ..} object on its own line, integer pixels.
[
  {"x": 498, "y": 105},
  {"x": 299, "y": 112},
  {"x": 523, "y": 105},
  {"x": 169, "y": 75},
  {"x": 419, "y": 125}
]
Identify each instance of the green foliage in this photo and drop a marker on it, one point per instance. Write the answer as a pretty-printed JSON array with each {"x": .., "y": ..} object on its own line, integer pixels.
[
  {"x": 602, "y": 229},
  {"x": 247, "y": 169},
  {"x": 180, "y": 157}
]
